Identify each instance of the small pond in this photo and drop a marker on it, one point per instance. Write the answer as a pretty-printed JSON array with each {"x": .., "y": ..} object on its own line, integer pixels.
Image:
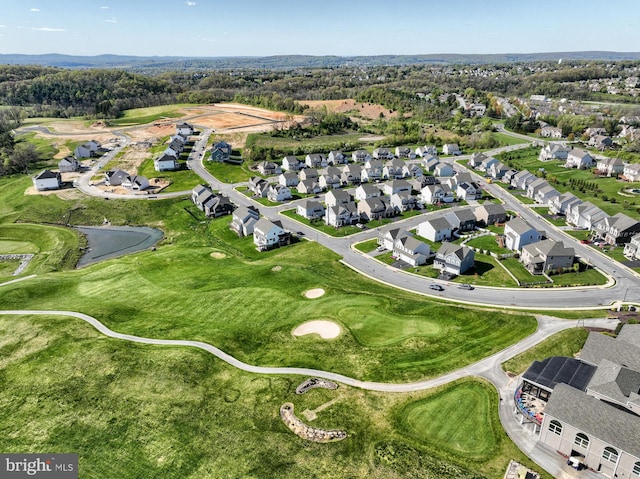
[{"x": 105, "y": 242}]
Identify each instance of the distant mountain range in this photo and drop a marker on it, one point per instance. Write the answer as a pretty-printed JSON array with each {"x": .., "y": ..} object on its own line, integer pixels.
[{"x": 296, "y": 61}]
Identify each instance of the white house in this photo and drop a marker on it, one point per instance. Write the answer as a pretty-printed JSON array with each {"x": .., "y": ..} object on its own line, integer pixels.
[
  {"x": 47, "y": 180},
  {"x": 135, "y": 182},
  {"x": 360, "y": 156},
  {"x": 443, "y": 170},
  {"x": 68, "y": 165},
  {"x": 267, "y": 234},
  {"x": 435, "y": 229},
  {"x": 451, "y": 149},
  {"x": 337, "y": 197},
  {"x": 396, "y": 186},
  {"x": 165, "y": 163},
  {"x": 411, "y": 251},
  {"x": 184, "y": 129},
  {"x": 288, "y": 179},
  {"x": 310, "y": 209},
  {"x": 580, "y": 159},
  {"x": 518, "y": 233},
  {"x": 87, "y": 149},
  {"x": 336, "y": 157},
  {"x": 610, "y": 166},
  {"x": 291, "y": 163},
  {"x": 277, "y": 193},
  {"x": 366, "y": 191}
]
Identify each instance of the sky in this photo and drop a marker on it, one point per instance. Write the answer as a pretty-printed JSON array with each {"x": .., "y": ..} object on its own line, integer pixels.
[{"x": 215, "y": 28}]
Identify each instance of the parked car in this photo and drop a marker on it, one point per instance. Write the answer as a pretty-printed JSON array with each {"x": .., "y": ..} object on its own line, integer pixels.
[
  {"x": 436, "y": 287},
  {"x": 465, "y": 286}
]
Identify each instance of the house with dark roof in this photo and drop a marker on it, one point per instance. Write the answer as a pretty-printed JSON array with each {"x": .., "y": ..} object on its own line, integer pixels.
[
  {"x": 244, "y": 219},
  {"x": 47, "y": 180},
  {"x": 547, "y": 256},
  {"x": 336, "y": 157},
  {"x": 375, "y": 209},
  {"x": 470, "y": 191},
  {"x": 411, "y": 251},
  {"x": 360, "y": 156},
  {"x": 291, "y": 163},
  {"x": 211, "y": 204},
  {"x": 220, "y": 152},
  {"x": 382, "y": 154},
  {"x": 490, "y": 213},
  {"x": 258, "y": 186},
  {"x": 269, "y": 168},
  {"x": 165, "y": 162},
  {"x": 68, "y": 165},
  {"x": 351, "y": 174},
  {"x": 617, "y": 229},
  {"x": 310, "y": 209},
  {"x": 435, "y": 229},
  {"x": 462, "y": 219},
  {"x": 342, "y": 214},
  {"x": 337, "y": 197},
  {"x": 403, "y": 201},
  {"x": 394, "y": 169},
  {"x": 114, "y": 177},
  {"x": 269, "y": 234},
  {"x": 315, "y": 160},
  {"x": 388, "y": 236},
  {"x": 288, "y": 179},
  {"x": 559, "y": 205},
  {"x": 453, "y": 258}
]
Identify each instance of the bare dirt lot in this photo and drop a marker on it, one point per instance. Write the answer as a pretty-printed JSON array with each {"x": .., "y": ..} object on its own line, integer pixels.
[{"x": 369, "y": 111}]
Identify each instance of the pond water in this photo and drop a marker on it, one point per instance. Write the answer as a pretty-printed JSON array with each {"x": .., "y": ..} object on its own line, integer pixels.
[{"x": 105, "y": 242}]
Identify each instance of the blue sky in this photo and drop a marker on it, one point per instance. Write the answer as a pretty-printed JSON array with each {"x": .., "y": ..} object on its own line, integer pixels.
[{"x": 322, "y": 27}]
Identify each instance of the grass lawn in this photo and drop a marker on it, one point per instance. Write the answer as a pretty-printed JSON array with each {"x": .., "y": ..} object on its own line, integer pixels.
[
  {"x": 367, "y": 246},
  {"x": 179, "y": 413},
  {"x": 228, "y": 173},
  {"x": 488, "y": 242},
  {"x": 141, "y": 116},
  {"x": 181, "y": 180},
  {"x": 486, "y": 272},
  {"x": 46, "y": 148},
  {"x": 607, "y": 198},
  {"x": 565, "y": 343},
  {"x": 518, "y": 270},
  {"x": 310, "y": 145},
  {"x": 583, "y": 278},
  {"x": 321, "y": 226},
  {"x": 508, "y": 140}
]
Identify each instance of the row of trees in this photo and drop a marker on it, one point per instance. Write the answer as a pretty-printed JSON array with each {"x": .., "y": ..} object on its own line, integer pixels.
[{"x": 14, "y": 157}]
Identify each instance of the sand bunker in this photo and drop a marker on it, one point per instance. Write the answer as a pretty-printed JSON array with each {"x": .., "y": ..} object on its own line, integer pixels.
[
  {"x": 314, "y": 293},
  {"x": 218, "y": 255},
  {"x": 326, "y": 329}
]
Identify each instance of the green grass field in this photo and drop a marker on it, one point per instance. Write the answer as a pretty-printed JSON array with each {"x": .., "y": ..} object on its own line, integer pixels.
[
  {"x": 181, "y": 180},
  {"x": 565, "y": 343},
  {"x": 179, "y": 413},
  {"x": 229, "y": 173},
  {"x": 142, "y": 116}
]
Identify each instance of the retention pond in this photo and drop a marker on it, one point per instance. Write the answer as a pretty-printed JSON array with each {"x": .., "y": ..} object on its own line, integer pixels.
[{"x": 105, "y": 242}]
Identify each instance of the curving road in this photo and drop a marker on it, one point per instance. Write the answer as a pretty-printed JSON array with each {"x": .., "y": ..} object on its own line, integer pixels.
[{"x": 547, "y": 326}]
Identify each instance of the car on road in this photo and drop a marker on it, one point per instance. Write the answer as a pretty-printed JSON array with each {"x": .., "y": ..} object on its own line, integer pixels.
[
  {"x": 584, "y": 241},
  {"x": 466, "y": 286},
  {"x": 436, "y": 287},
  {"x": 300, "y": 233}
]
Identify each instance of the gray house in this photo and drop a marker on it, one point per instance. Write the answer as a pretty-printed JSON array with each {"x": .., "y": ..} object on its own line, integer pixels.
[
  {"x": 547, "y": 256},
  {"x": 518, "y": 233},
  {"x": 454, "y": 259}
]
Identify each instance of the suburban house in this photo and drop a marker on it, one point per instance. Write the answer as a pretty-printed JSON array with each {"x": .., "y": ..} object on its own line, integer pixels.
[
  {"x": 453, "y": 258},
  {"x": 430, "y": 163},
  {"x": 468, "y": 191},
  {"x": 535, "y": 186},
  {"x": 476, "y": 160},
  {"x": 165, "y": 162},
  {"x": 387, "y": 236},
  {"x": 610, "y": 166},
  {"x": 383, "y": 154},
  {"x": 461, "y": 220},
  {"x": 423, "y": 151},
  {"x": 277, "y": 193},
  {"x": 68, "y": 165},
  {"x": 366, "y": 191},
  {"x": 309, "y": 187},
  {"x": 546, "y": 256},
  {"x": 114, "y": 177},
  {"x": 617, "y": 229},
  {"x": 584, "y": 215},
  {"x": 632, "y": 248},
  {"x": 269, "y": 168},
  {"x": 308, "y": 174},
  {"x": 393, "y": 169},
  {"x": 331, "y": 179},
  {"x": 560, "y": 204},
  {"x": 580, "y": 159},
  {"x": 244, "y": 219},
  {"x": 595, "y": 131},
  {"x": 497, "y": 169},
  {"x": 591, "y": 413},
  {"x": 412, "y": 170},
  {"x": 351, "y": 174},
  {"x": 342, "y": 214},
  {"x": 336, "y": 157},
  {"x": 135, "y": 182},
  {"x": 432, "y": 194},
  {"x": 396, "y": 186},
  {"x": 315, "y": 160},
  {"x": 518, "y": 233},
  {"x": 403, "y": 201},
  {"x": 337, "y": 197},
  {"x": 435, "y": 229},
  {"x": 405, "y": 152},
  {"x": 360, "y": 156},
  {"x": 443, "y": 169},
  {"x": 451, "y": 149},
  {"x": 411, "y": 251},
  {"x": 522, "y": 179},
  {"x": 291, "y": 163},
  {"x": 601, "y": 142},
  {"x": 184, "y": 129},
  {"x": 490, "y": 213},
  {"x": 508, "y": 176},
  {"x": 269, "y": 234},
  {"x": 631, "y": 172},
  {"x": 550, "y": 132},
  {"x": 258, "y": 186},
  {"x": 486, "y": 164},
  {"x": 546, "y": 194},
  {"x": 372, "y": 170},
  {"x": 554, "y": 151},
  {"x": 221, "y": 151},
  {"x": 460, "y": 177},
  {"x": 288, "y": 179},
  {"x": 375, "y": 208},
  {"x": 47, "y": 180},
  {"x": 211, "y": 204},
  {"x": 175, "y": 145},
  {"x": 310, "y": 210},
  {"x": 87, "y": 150}
]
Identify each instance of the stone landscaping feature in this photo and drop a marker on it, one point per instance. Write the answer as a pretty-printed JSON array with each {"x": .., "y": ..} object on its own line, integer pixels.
[
  {"x": 314, "y": 293},
  {"x": 326, "y": 329},
  {"x": 307, "y": 432},
  {"x": 313, "y": 383}
]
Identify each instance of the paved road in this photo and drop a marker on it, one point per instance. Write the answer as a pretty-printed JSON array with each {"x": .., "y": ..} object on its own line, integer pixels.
[{"x": 547, "y": 326}]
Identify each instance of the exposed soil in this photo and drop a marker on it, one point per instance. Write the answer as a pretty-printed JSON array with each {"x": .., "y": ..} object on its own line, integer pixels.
[{"x": 369, "y": 111}]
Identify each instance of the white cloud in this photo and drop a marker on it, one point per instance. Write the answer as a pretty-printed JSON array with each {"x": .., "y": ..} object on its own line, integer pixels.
[
  {"x": 49, "y": 29},
  {"x": 34, "y": 9},
  {"x": 190, "y": 4},
  {"x": 111, "y": 20},
  {"x": 2, "y": 26},
  {"x": 104, "y": 8}
]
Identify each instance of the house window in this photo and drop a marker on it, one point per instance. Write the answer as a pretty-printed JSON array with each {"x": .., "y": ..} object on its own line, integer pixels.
[
  {"x": 636, "y": 469},
  {"x": 581, "y": 440},
  {"x": 610, "y": 454},
  {"x": 555, "y": 427}
]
